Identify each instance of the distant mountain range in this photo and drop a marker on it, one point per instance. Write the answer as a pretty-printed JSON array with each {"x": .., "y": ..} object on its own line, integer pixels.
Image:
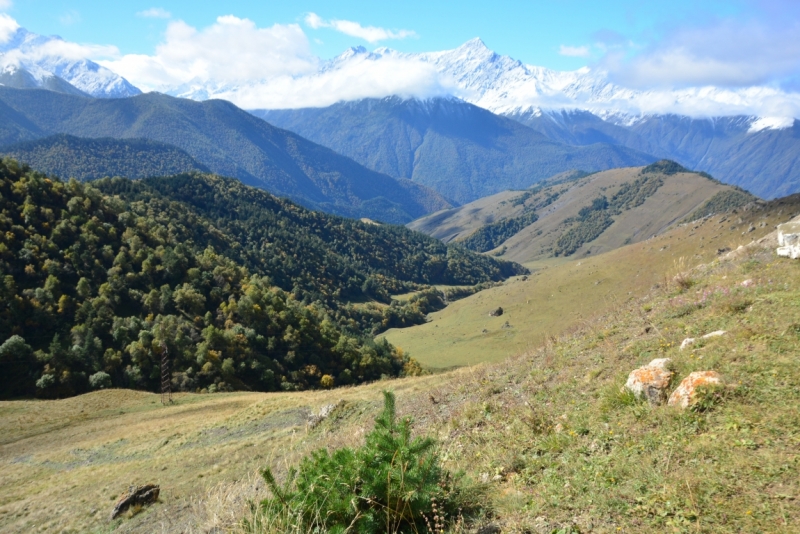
[
  {"x": 462, "y": 151},
  {"x": 752, "y": 153},
  {"x": 226, "y": 140},
  {"x": 446, "y": 143}
]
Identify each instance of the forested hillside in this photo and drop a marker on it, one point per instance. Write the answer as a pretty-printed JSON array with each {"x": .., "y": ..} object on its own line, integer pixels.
[
  {"x": 243, "y": 290},
  {"x": 227, "y": 140},
  {"x": 68, "y": 156}
]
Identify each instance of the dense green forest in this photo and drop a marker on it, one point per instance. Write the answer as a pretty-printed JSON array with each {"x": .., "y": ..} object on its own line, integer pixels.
[
  {"x": 493, "y": 235},
  {"x": 68, "y": 156},
  {"x": 242, "y": 289}
]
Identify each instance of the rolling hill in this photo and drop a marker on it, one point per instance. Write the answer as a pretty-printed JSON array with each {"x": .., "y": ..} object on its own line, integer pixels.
[
  {"x": 564, "y": 292},
  {"x": 462, "y": 151},
  {"x": 228, "y": 141},
  {"x": 575, "y": 214},
  {"x": 67, "y": 156}
]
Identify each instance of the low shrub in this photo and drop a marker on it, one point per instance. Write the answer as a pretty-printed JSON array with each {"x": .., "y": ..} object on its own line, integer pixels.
[{"x": 392, "y": 484}]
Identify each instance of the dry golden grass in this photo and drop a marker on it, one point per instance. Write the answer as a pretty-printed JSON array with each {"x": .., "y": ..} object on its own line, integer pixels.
[
  {"x": 63, "y": 463},
  {"x": 562, "y": 294}
]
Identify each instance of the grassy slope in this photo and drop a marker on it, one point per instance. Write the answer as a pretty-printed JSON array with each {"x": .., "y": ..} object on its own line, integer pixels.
[
  {"x": 562, "y": 293},
  {"x": 680, "y": 195},
  {"x": 611, "y": 465}
]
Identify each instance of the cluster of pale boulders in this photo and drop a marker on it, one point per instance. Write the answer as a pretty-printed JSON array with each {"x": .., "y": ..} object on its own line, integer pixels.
[
  {"x": 651, "y": 382},
  {"x": 789, "y": 240}
]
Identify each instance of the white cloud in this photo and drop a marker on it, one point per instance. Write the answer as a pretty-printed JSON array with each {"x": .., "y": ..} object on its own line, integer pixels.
[
  {"x": 7, "y": 27},
  {"x": 268, "y": 68},
  {"x": 574, "y": 51},
  {"x": 371, "y": 34},
  {"x": 315, "y": 21},
  {"x": 155, "y": 13},
  {"x": 230, "y": 50},
  {"x": 357, "y": 78},
  {"x": 725, "y": 52},
  {"x": 6, "y": 5}
]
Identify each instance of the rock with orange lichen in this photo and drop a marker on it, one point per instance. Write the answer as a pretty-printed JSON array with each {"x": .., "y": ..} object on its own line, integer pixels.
[
  {"x": 651, "y": 381},
  {"x": 686, "y": 393}
]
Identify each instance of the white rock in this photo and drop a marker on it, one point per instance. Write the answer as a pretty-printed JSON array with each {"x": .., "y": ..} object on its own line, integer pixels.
[
  {"x": 715, "y": 333},
  {"x": 789, "y": 240},
  {"x": 789, "y": 234},
  {"x": 686, "y": 342},
  {"x": 661, "y": 363},
  {"x": 790, "y": 251}
]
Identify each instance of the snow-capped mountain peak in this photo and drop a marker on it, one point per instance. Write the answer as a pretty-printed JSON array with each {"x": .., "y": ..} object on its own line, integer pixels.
[{"x": 31, "y": 60}]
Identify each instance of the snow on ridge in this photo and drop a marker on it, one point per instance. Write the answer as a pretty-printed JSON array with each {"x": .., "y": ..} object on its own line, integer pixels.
[
  {"x": 507, "y": 86},
  {"x": 770, "y": 123},
  {"x": 38, "y": 55}
]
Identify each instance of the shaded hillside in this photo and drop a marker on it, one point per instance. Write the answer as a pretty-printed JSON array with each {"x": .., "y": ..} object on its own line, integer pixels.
[
  {"x": 765, "y": 162},
  {"x": 244, "y": 290},
  {"x": 88, "y": 159},
  {"x": 462, "y": 151},
  {"x": 585, "y": 215},
  {"x": 229, "y": 142}
]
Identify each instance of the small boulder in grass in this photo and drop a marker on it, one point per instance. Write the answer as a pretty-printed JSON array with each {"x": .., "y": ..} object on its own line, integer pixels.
[
  {"x": 686, "y": 393},
  {"x": 651, "y": 381},
  {"x": 690, "y": 340},
  {"x": 136, "y": 496}
]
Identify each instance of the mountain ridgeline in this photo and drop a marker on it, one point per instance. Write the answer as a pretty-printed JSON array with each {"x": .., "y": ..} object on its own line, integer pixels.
[
  {"x": 763, "y": 161},
  {"x": 68, "y": 156},
  {"x": 462, "y": 151},
  {"x": 226, "y": 140},
  {"x": 579, "y": 213},
  {"x": 241, "y": 289}
]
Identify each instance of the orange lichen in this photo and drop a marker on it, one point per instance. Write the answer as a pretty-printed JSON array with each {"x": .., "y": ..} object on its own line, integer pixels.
[{"x": 685, "y": 394}]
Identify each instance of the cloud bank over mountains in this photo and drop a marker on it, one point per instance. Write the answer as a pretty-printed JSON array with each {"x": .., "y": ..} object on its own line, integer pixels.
[{"x": 724, "y": 67}]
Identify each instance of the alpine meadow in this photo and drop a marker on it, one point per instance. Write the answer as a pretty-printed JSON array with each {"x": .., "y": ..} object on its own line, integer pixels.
[{"x": 346, "y": 268}]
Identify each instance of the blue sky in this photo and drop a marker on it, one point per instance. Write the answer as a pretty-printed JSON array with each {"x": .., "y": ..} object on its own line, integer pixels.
[
  {"x": 532, "y": 31},
  {"x": 271, "y": 54}
]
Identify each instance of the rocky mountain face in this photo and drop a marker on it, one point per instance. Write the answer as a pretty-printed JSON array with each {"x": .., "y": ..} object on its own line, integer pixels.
[
  {"x": 461, "y": 150},
  {"x": 760, "y": 155}
]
